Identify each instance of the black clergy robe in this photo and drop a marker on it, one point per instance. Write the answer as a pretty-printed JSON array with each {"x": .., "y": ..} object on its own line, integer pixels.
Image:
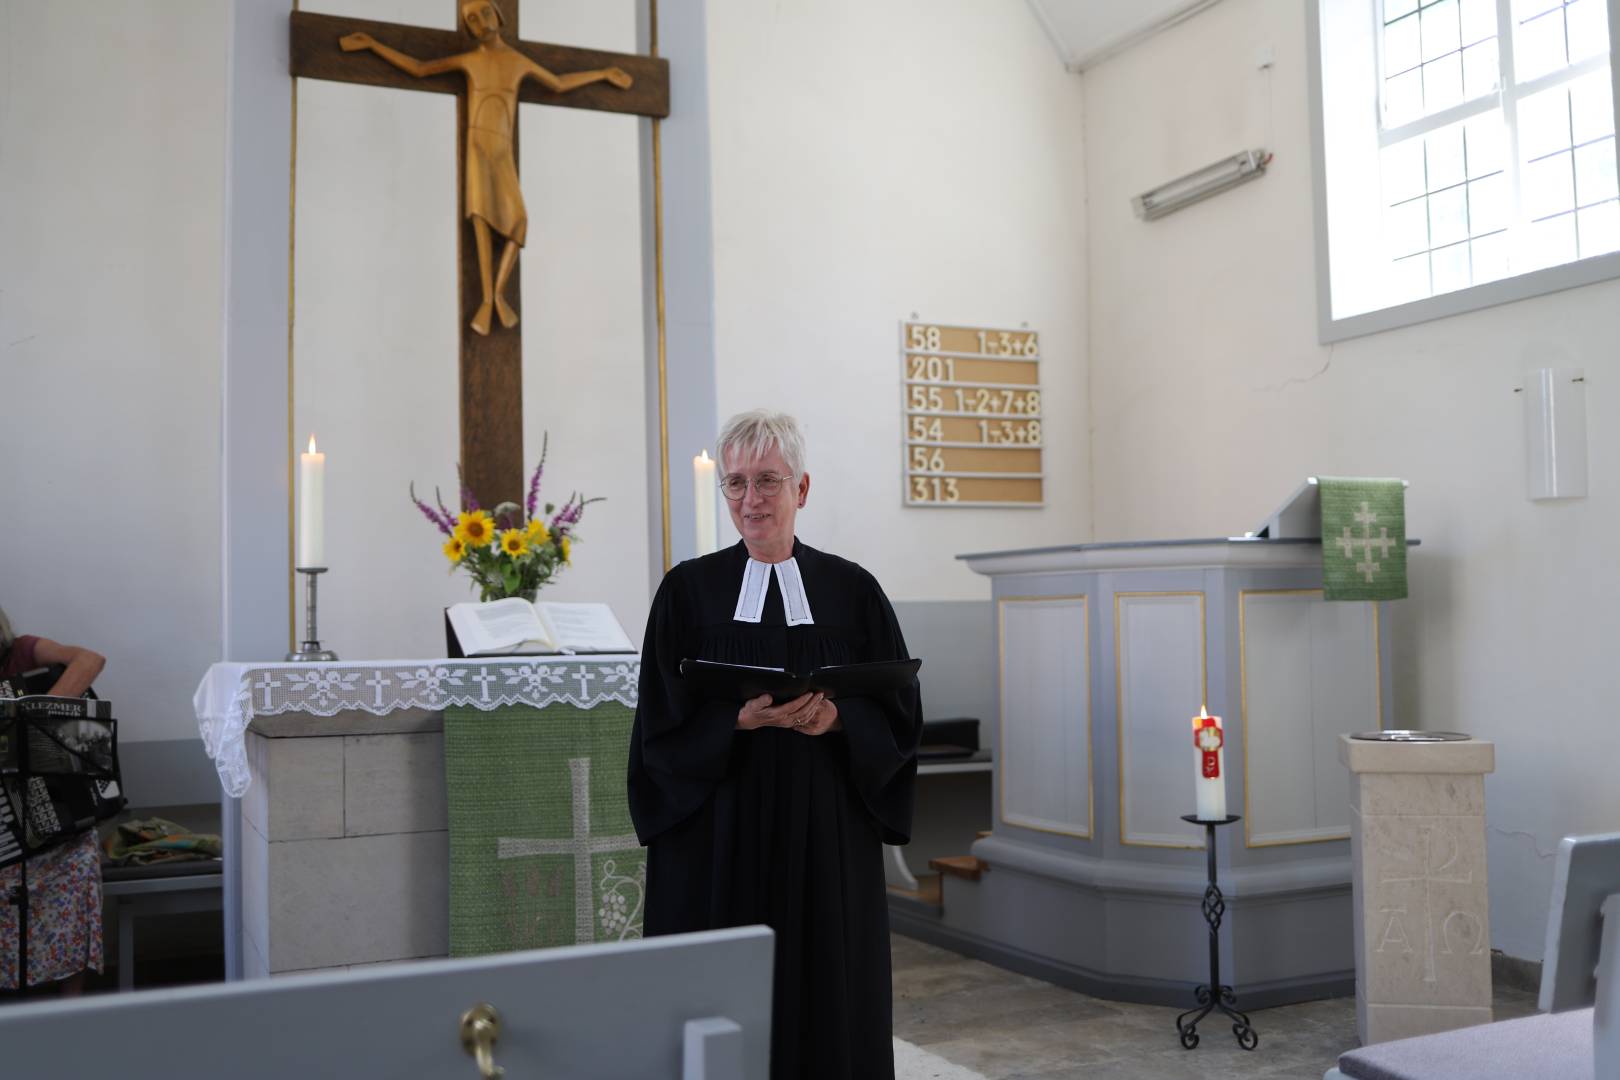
[{"x": 773, "y": 826}]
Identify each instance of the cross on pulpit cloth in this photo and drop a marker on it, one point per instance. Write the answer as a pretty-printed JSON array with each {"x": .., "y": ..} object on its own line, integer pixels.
[{"x": 491, "y": 66}]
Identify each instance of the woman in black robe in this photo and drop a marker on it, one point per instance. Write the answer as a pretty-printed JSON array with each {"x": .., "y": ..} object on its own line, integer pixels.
[{"x": 754, "y": 813}]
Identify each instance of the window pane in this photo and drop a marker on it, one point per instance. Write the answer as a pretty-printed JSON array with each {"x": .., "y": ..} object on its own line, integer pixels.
[
  {"x": 1600, "y": 229},
  {"x": 1394, "y": 9},
  {"x": 1547, "y": 243},
  {"x": 1490, "y": 258},
  {"x": 1442, "y": 83},
  {"x": 1588, "y": 28},
  {"x": 1410, "y": 279},
  {"x": 1448, "y": 217},
  {"x": 1401, "y": 48},
  {"x": 1487, "y": 144},
  {"x": 1595, "y": 172},
  {"x": 1592, "y": 107},
  {"x": 1441, "y": 31},
  {"x": 1490, "y": 206},
  {"x": 1403, "y": 98},
  {"x": 1479, "y": 69},
  {"x": 1406, "y": 228},
  {"x": 1548, "y": 186},
  {"x": 1538, "y": 47},
  {"x": 1401, "y": 167},
  {"x": 1450, "y": 268},
  {"x": 1544, "y": 123},
  {"x": 1445, "y": 151},
  {"x": 1478, "y": 20}
]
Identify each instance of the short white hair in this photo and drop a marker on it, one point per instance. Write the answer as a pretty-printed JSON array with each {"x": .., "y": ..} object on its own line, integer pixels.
[{"x": 752, "y": 434}]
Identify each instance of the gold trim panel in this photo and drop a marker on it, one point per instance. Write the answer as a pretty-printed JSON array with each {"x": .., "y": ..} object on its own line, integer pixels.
[
  {"x": 1243, "y": 684},
  {"x": 1119, "y": 703},
  {"x": 1001, "y": 721}
]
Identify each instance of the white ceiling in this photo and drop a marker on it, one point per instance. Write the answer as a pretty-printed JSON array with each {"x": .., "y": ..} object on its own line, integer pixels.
[{"x": 1085, "y": 32}]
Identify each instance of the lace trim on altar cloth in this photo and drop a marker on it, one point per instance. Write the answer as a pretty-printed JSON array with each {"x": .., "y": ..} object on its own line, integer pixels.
[{"x": 231, "y": 695}]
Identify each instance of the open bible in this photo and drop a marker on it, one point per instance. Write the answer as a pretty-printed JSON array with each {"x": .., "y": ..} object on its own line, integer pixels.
[
  {"x": 513, "y": 625},
  {"x": 744, "y": 682}
]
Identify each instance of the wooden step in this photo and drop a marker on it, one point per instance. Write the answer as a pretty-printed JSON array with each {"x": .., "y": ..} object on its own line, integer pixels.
[
  {"x": 968, "y": 867},
  {"x": 928, "y": 890}
]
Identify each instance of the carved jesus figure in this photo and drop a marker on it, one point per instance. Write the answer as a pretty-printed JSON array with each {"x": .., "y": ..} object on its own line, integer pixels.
[{"x": 494, "y": 202}]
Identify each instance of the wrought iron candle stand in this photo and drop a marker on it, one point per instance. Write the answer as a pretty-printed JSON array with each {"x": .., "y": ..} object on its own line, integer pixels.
[
  {"x": 311, "y": 650},
  {"x": 1214, "y": 995}
]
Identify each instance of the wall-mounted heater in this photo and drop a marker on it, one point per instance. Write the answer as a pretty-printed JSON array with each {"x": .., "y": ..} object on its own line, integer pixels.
[{"x": 1225, "y": 173}]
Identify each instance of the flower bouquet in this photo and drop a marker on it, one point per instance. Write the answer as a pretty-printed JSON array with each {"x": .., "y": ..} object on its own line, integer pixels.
[{"x": 514, "y": 550}]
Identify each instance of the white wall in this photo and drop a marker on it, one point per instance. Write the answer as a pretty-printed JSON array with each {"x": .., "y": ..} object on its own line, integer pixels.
[
  {"x": 111, "y": 169},
  {"x": 376, "y": 332},
  {"x": 874, "y": 160},
  {"x": 1211, "y": 400}
]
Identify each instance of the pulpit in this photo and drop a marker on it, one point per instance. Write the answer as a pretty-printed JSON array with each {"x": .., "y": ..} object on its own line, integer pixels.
[
  {"x": 378, "y": 811},
  {"x": 1104, "y": 652}
]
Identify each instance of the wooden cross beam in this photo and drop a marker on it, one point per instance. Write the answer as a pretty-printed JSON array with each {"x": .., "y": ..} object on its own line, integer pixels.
[{"x": 491, "y": 357}]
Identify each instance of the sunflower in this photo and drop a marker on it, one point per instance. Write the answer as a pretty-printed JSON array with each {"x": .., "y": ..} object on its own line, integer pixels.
[
  {"x": 475, "y": 528},
  {"x": 566, "y": 545},
  {"x": 538, "y": 533},
  {"x": 454, "y": 549},
  {"x": 514, "y": 543}
]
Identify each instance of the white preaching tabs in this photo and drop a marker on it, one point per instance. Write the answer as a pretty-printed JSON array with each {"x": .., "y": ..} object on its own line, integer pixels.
[{"x": 756, "y": 584}]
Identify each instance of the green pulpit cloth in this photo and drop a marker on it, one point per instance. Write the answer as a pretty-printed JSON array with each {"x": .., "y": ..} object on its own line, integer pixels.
[
  {"x": 542, "y": 851},
  {"x": 1363, "y": 538}
]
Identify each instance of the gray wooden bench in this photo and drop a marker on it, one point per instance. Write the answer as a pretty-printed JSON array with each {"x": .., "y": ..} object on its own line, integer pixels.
[
  {"x": 163, "y": 888},
  {"x": 1551, "y": 1046}
]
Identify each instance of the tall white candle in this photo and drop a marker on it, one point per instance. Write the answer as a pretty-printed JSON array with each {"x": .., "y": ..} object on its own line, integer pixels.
[
  {"x": 311, "y": 507},
  {"x": 1209, "y": 758},
  {"x": 703, "y": 488}
]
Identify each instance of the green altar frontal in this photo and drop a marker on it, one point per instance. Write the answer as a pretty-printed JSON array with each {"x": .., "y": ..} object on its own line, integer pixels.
[{"x": 542, "y": 850}]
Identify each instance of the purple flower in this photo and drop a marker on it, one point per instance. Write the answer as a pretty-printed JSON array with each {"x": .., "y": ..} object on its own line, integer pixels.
[
  {"x": 534, "y": 483},
  {"x": 447, "y": 515},
  {"x": 469, "y": 501},
  {"x": 444, "y": 523}
]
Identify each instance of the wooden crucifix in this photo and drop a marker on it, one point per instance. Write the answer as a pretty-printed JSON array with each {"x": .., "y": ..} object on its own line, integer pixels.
[{"x": 489, "y": 70}]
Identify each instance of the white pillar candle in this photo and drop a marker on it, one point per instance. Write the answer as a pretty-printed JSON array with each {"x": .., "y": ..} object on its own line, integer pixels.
[
  {"x": 1209, "y": 758},
  {"x": 311, "y": 507},
  {"x": 703, "y": 489}
]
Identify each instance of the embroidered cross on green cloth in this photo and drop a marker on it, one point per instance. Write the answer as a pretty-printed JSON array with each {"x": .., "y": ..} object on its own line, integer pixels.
[
  {"x": 542, "y": 851},
  {"x": 1363, "y": 538}
]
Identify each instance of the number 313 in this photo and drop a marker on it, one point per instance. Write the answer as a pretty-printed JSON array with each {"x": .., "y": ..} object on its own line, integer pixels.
[{"x": 934, "y": 489}]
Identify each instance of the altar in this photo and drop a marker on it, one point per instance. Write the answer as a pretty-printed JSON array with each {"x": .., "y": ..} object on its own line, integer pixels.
[
  {"x": 1090, "y": 877},
  {"x": 345, "y": 845}
]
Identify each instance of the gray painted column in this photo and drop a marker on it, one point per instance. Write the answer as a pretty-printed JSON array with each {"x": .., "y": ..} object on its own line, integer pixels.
[
  {"x": 688, "y": 276},
  {"x": 258, "y": 177}
]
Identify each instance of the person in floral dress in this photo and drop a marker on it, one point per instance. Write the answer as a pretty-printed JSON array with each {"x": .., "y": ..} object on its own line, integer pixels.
[{"x": 64, "y": 883}]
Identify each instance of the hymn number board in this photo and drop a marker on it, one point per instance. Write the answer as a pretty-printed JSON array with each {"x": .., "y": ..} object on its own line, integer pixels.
[{"x": 972, "y": 412}]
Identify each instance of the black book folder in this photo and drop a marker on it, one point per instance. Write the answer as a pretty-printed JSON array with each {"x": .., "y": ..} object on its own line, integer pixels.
[{"x": 743, "y": 682}]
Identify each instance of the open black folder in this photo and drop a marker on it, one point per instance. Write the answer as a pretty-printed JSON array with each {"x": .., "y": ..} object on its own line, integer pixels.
[{"x": 743, "y": 682}]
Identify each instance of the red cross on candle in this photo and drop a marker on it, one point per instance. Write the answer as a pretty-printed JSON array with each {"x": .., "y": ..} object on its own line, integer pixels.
[{"x": 1209, "y": 738}]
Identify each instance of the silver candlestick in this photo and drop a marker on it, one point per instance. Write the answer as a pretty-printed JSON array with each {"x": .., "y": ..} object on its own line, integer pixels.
[{"x": 311, "y": 645}]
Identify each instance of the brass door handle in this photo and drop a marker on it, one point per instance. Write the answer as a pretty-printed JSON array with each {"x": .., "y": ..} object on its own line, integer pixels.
[{"x": 480, "y": 1028}]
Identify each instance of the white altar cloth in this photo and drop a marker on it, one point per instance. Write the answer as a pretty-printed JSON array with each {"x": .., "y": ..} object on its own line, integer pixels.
[{"x": 232, "y": 694}]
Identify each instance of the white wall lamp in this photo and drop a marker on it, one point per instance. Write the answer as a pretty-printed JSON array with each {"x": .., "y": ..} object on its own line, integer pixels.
[{"x": 1196, "y": 186}]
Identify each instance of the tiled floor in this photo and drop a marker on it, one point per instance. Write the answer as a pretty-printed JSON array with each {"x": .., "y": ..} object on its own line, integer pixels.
[{"x": 1005, "y": 1025}]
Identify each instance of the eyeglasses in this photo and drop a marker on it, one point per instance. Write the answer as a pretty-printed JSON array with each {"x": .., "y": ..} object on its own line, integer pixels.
[{"x": 734, "y": 487}]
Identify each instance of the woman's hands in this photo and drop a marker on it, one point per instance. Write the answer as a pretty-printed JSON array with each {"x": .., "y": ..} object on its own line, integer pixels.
[{"x": 809, "y": 714}]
